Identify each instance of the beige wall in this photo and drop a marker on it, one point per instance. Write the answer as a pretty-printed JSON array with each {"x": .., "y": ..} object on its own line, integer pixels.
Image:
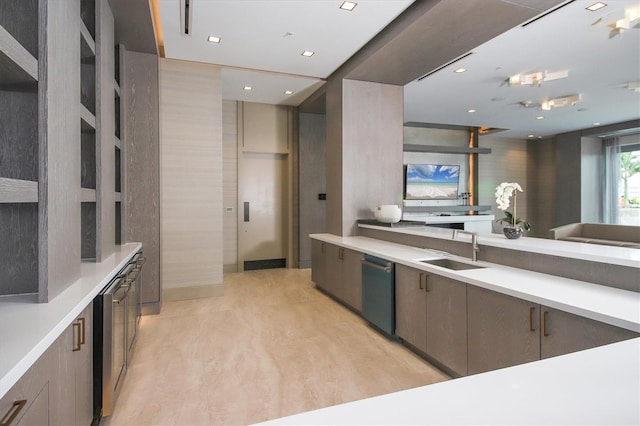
[
  {"x": 190, "y": 179},
  {"x": 230, "y": 184}
]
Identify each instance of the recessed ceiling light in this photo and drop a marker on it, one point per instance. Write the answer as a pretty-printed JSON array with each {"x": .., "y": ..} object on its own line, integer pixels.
[
  {"x": 471, "y": 110},
  {"x": 596, "y": 123},
  {"x": 308, "y": 53},
  {"x": 539, "y": 117},
  {"x": 213, "y": 39},
  {"x": 531, "y": 136},
  {"x": 288, "y": 92},
  {"x": 348, "y": 5},
  {"x": 459, "y": 70},
  {"x": 248, "y": 87},
  {"x": 596, "y": 6}
]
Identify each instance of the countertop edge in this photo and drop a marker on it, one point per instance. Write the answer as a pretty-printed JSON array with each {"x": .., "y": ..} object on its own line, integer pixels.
[
  {"x": 631, "y": 321},
  {"x": 57, "y": 315}
]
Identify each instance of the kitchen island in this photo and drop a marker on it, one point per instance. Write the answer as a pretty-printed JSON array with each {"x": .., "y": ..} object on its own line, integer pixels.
[{"x": 600, "y": 385}]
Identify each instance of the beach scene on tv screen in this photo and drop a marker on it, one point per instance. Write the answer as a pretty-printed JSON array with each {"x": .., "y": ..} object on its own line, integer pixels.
[{"x": 432, "y": 182}]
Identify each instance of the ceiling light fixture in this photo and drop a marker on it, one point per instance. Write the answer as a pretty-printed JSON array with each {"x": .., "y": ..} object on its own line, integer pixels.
[
  {"x": 288, "y": 92},
  {"x": 596, "y": 6},
  {"x": 531, "y": 136},
  {"x": 213, "y": 39},
  {"x": 560, "y": 102},
  {"x": 348, "y": 5},
  {"x": 471, "y": 110},
  {"x": 248, "y": 88},
  {"x": 634, "y": 86},
  {"x": 540, "y": 117},
  {"x": 459, "y": 70},
  {"x": 536, "y": 78},
  {"x": 308, "y": 53},
  {"x": 631, "y": 19},
  {"x": 596, "y": 123}
]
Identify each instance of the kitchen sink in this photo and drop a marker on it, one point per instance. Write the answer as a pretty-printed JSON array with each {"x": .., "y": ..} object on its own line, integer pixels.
[{"x": 451, "y": 264}]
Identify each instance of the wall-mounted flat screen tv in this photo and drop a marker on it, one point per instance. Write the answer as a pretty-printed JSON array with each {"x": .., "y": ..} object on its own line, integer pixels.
[{"x": 431, "y": 182}]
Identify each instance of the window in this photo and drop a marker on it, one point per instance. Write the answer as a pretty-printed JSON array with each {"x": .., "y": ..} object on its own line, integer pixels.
[{"x": 622, "y": 169}]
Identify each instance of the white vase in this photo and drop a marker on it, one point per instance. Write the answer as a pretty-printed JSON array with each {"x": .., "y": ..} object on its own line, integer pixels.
[{"x": 388, "y": 213}]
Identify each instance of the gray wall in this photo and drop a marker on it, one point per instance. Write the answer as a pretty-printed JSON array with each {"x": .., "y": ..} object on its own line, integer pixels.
[
  {"x": 592, "y": 180},
  {"x": 568, "y": 175},
  {"x": 541, "y": 178},
  {"x": 312, "y": 178},
  {"x": 139, "y": 86},
  {"x": 230, "y": 185}
]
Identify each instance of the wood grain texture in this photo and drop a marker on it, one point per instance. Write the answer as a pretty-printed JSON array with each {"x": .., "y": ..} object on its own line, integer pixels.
[
  {"x": 191, "y": 165},
  {"x": 19, "y": 135},
  {"x": 19, "y": 248},
  {"x": 499, "y": 331},
  {"x": 312, "y": 181},
  {"x": 20, "y": 19},
  {"x": 88, "y": 160},
  {"x": 352, "y": 279},
  {"x": 411, "y": 308},
  {"x": 18, "y": 191},
  {"x": 371, "y": 149},
  {"x": 141, "y": 164},
  {"x": 230, "y": 184},
  {"x": 105, "y": 130},
  {"x": 88, "y": 230},
  {"x": 17, "y": 65},
  {"x": 59, "y": 154}
]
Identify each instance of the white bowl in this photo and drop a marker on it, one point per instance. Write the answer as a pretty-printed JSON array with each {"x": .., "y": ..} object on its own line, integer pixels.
[{"x": 388, "y": 213}]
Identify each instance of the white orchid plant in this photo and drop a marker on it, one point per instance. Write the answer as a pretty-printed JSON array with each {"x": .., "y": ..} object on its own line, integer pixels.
[{"x": 504, "y": 191}]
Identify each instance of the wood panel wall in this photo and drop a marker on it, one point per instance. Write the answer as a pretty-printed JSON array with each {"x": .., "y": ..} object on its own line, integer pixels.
[
  {"x": 142, "y": 168},
  {"x": 230, "y": 184},
  {"x": 191, "y": 228},
  {"x": 312, "y": 181}
]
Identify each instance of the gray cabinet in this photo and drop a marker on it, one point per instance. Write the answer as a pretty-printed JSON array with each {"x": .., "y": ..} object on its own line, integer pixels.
[
  {"x": 411, "y": 307},
  {"x": 446, "y": 301},
  {"x": 502, "y": 330},
  {"x": 318, "y": 263},
  {"x": 562, "y": 333},
  {"x": 338, "y": 271},
  {"x": 431, "y": 315},
  {"x": 58, "y": 388}
]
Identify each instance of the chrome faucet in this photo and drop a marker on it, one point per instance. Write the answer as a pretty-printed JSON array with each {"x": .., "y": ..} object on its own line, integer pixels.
[{"x": 474, "y": 242}]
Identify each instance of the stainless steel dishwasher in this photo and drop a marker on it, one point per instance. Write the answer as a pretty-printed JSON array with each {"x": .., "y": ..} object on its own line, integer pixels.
[{"x": 378, "y": 293}]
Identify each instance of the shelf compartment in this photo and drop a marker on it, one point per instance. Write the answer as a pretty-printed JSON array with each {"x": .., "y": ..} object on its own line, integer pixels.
[
  {"x": 19, "y": 135},
  {"x": 87, "y": 195},
  {"x": 18, "y": 191},
  {"x": 88, "y": 160},
  {"x": 88, "y": 230},
  {"x": 118, "y": 170},
  {"x": 117, "y": 115},
  {"x": 18, "y": 68},
  {"x": 118, "y": 236},
  {"x": 19, "y": 248},
  {"x": 88, "y": 16},
  {"x": 87, "y": 73},
  {"x": 87, "y": 120},
  {"x": 20, "y": 19}
]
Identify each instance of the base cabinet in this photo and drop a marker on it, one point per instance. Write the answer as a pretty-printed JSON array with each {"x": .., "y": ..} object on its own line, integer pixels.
[
  {"x": 431, "y": 315},
  {"x": 338, "y": 271},
  {"x": 563, "y": 333},
  {"x": 58, "y": 388},
  {"x": 502, "y": 330}
]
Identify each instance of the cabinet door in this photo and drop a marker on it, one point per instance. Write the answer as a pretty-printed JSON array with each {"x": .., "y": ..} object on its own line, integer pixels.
[
  {"x": 502, "y": 330},
  {"x": 318, "y": 263},
  {"x": 83, "y": 367},
  {"x": 38, "y": 412},
  {"x": 447, "y": 322},
  {"x": 563, "y": 333},
  {"x": 411, "y": 308},
  {"x": 333, "y": 277},
  {"x": 352, "y": 278}
]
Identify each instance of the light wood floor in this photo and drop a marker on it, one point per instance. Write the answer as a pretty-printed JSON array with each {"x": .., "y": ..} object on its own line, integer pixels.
[{"x": 272, "y": 346}]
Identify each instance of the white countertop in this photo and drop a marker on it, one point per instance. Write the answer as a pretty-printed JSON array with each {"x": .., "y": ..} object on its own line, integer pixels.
[
  {"x": 591, "y": 252},
  {"x": 595, "y": 386},
  {"x": 613, "y": 306},
  {"x": 28, "y": 328}
]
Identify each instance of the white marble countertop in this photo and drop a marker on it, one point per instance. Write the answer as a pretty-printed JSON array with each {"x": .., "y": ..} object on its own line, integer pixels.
[
  {"x": 28, "y": 328},
  {"x": 613, "y": 306},
  {"x": 595, "y": 386},
  {"x": 592, "y": 252}
]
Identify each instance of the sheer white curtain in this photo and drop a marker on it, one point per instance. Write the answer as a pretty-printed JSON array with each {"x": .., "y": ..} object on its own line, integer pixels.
[{"x": 612, "y": 149}]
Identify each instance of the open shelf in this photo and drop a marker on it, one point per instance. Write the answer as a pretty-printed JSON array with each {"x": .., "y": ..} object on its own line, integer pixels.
[
  {"x": 87, "y": 195},
  {"x": 117, "y": 114},
  {"x": 19, "y": 135},
  {"x": 88, "y": 230},
  {"x": 19, "y": 18},
  {"x": 118, "y": 170},
  {"x": 88, "y": 160},
  {"x": 19, "y": 248},
  {"x": 18, "y": 68},
  {"x": 443, "y": 149},
  {"x": 118, "y": 235},
  {"x": 87, "y": 70},
  {"x": 88, "y": 16},
  {"x": 18, "y": 191}
]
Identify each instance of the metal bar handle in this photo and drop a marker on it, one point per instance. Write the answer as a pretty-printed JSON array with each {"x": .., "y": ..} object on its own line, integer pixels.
[
  {"x": 544, "y": 323},
  {"x": 82, "y": 329},
  {"x": 420, "y": 280},
  {"x": 531, "y": 310},
  {"x": 13, "y": 412},
  {"x": 76, "y": 337},
  {"x": 375, "y": 265}
]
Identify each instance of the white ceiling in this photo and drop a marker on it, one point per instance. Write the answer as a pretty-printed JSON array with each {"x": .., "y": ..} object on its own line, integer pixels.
[{"x": 256, "y": 51}]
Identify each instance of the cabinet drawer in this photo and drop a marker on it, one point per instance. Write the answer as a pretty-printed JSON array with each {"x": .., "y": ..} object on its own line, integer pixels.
[{"x": 26, "y": 390}]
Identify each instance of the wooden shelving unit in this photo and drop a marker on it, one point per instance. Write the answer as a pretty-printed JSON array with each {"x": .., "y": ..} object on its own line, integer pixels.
[{"x": 119, "y": 145}]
